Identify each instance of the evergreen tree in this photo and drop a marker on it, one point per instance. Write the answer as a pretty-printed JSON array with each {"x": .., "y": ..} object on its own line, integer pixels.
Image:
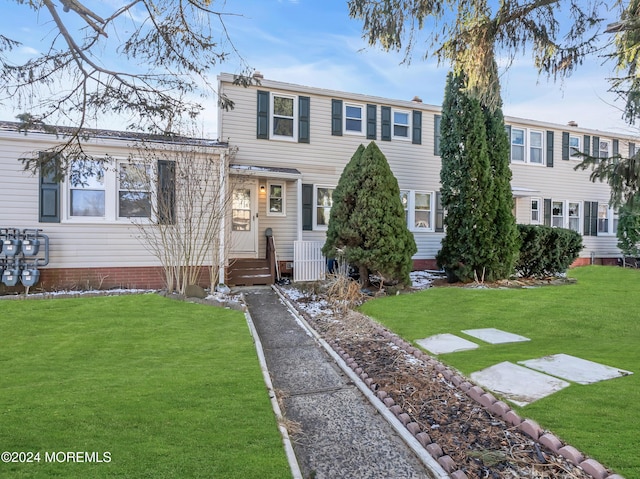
[
  {"x": 467, "y": 187},
  {"x": 506, "y": 239},
  {"x": 367, "y": 221},
  {"x": 339, "y": 231}
]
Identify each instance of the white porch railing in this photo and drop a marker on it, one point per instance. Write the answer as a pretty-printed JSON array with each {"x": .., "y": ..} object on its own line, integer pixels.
[{"x": 308, "y": 262}]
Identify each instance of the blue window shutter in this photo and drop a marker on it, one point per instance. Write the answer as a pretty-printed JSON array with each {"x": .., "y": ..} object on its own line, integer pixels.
[
  {"x": 49, "y": 201},
  {"x": 303, "y": 119},
  {"x": 595, "y": 149},
  {"x": 336, "y": 117},
  {"x": 417, "y": 128},
  {"x": 437, "y": 120},
  {"x": 615, "y": 147},
  {"x": 590, "y": 218},
  {"x": 372, "y": 122},
  {"x": 263, "y": 115},
  {"x": 587, "y": 145},
  {"x": 166, "y": 192},
  {"x": 385, "y": 120},
  {"x": 550, "y": 149},
  {"x": 565, "y": 145},
  {"x": 547, "y": 211}
]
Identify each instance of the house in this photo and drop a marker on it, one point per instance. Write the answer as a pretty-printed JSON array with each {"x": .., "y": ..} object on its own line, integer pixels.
[
  {"x": 284, "y": 149},
  {"x": 96, "y": 227},
  {"x": 293, "y": 142}
]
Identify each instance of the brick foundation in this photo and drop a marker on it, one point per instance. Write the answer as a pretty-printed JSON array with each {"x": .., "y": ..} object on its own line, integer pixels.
[
  {"x": 422, "y": 264},
  {"x": 78, "y": 279}
]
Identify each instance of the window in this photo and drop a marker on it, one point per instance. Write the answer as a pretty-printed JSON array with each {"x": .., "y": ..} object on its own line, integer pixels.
[
  {"x": 323, "y": 202},
  {"x": 134, "y": 191},
  {"x": 557, "y": 214},
  {"x": 517, "y": 144},
  {"x": 401, "y": 124},
  {"x": 604, "y": 149},
  {"x": 283, "y": 121},
  {"x": 535, "y": 147},
  {"x": 418, "y": 209},
  {"x": 87, "y": 189},
  {"x": 100, "y": 191},
  {"x": 353, "y": 121},
  {"x": 275, "y": 201},
  {"x": 574, "y": 216},
  {"x": 574, "y": 146},
  {"x": 607, "y": 220},
  {"x": 535, "y": 211},
  {"x": 527, "y": 146}
]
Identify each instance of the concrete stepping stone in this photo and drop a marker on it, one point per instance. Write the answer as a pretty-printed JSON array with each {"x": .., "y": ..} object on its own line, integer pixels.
[
  {"x": 574, "y": 369},
  {"x": 446, "y": 343},
  {"x": 495, "y": 336},
  {"x": 519, "y": 385}
]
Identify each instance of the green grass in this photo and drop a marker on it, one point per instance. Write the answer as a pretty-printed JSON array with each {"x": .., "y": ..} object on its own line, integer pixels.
[
  {"x": 169, "y": 389},
  {"x": 598, "y": 319}
]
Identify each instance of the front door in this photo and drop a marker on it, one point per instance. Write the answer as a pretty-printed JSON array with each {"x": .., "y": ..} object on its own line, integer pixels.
[{"x": 244, "y": 219}]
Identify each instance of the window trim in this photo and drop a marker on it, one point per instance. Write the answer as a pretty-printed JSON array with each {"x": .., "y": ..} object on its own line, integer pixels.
[
  {"x": 272, "y": 116},
  {"x": 565, "y": 215},
  {"x": 573, "y": 150},
  {"x": 363, "y": 119},
  {"x": 111, "y": 196},
  {"x": 539, "y": 210},
  {"x": 526, "y": 146},
  {"x": 612, "y": 216},
  {"x": 316, "y": 187},
  {"x": 609, "y": 148},
  {"x": 410, "y": 210},
  {"x": 282, "y": 185},
  {"x": 408, "y": 126}
]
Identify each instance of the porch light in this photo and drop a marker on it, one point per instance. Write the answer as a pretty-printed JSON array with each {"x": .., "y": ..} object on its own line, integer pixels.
[{"x": 262, "y": 189}]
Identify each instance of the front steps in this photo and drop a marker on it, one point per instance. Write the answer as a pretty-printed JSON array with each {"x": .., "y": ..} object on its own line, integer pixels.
[{"x": 249, "y": 272}]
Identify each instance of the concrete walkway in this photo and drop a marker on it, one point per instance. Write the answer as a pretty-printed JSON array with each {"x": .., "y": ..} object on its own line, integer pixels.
[{"x": 342, "y": 434}]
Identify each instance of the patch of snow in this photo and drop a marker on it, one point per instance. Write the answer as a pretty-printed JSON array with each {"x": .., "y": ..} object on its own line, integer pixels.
[{"x": 423, "y": 279}]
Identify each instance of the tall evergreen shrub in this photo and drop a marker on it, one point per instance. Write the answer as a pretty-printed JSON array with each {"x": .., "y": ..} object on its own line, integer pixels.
[
  {"x": 367, "y": 223},
  {"x": 467, "y": 187}
]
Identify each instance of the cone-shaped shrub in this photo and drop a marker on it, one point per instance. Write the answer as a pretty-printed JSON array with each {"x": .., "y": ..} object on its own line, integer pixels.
[{"x": 367, "y": 222}]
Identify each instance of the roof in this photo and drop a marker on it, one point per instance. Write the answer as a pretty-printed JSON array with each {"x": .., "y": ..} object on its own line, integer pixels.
[{"x": 112, "y": 134}]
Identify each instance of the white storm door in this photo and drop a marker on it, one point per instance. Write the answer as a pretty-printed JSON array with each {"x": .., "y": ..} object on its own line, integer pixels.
[{"x": 244, "y": 220}]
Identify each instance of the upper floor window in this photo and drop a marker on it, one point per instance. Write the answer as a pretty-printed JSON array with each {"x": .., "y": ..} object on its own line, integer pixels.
[
  {"x": 401, "y": 124},
  {"x": 517, "y": 144},
  {"x": 575, "y": 145},
  {"x": 527, "y": 146},
  {"x": 604, "y": 149},
  {"x": 353, "y": 118},
  {"x": 535, "y": 147},
  {"x": 283, "y": 118}
]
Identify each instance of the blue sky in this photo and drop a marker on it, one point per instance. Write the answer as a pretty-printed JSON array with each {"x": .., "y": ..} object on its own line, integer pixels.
[{"x": 315, "y": 43}]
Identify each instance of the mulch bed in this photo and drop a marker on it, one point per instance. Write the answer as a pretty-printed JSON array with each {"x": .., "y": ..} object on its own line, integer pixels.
[{"x": 480, "y": 444}]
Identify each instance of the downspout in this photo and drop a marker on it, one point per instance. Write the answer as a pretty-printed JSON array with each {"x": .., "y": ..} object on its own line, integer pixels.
[
  {"x": 223, "y": 200},
  {"x": 299, "y": 216}
]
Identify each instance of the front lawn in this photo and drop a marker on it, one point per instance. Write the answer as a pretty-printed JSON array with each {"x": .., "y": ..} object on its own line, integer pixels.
[
  {"x": 154, "y": 388},
  {"x": 598, "y": 319}
]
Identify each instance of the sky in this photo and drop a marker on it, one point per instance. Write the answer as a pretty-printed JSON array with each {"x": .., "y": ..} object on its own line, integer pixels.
[{"x": 315, "y": 43}]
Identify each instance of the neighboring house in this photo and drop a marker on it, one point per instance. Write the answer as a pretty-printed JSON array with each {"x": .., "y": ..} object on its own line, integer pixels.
[
  {"x": 284, "y": 149},
  {"x": 293, "y": 142},
  {"x": 92, "y": 238}
]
